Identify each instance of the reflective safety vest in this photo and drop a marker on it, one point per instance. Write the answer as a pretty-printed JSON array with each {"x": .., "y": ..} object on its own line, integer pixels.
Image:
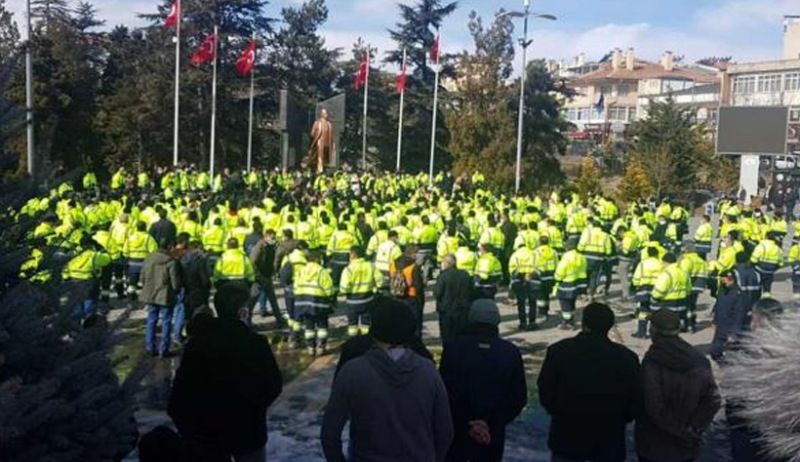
[
  {"x": 630, "y": 244},
  {"x": 305, "y": 232},
  {"x": 323, "y": 236},
  {"x": 104, "y": 239},
  {"x": 671, "y": 289},
  {"x": 234, "y": 265},
  {"x": 447, "y": 245},
  {"x": 698, "y": 270},
  {"x": 494, "y": 238},
  {"x": 387, "y": 253},
  {"x": 377, "y": 239},
  {"x": 360, "y": 281},
  {"x": 528, "y": 238},
  {"x": 466, "y": 260},
  {"x": 313, "y": 287},
  {"x": 86, "y": 266},
  {"x": 193, "y": 229},
  {"x": 119, "y": 234},
  {"x": 240, "y": 234},
  {"x": 595, "y": 244},
  {"x": 118, "y": 180},
  {"x": 727, "y": 258},
  {"x": 644, "y": 277},
  {"x": 521, "y": 263},
  {"x": 341, "y": 242},
  {"x": 425, "y": 235},
  {"x": 767, "y": 257},
  {"x": 143, "y": 180},
  {"x": 704, "y": 234},
  {"x": 408, "y": 275},
  {"x": 139, "y": 245},
  {"x": 545, "y": 261},
  {"x": 794, "y": 259},
  {"x": 488, "y": 269},
  {"x": 404, "y": 235},
  {"x": 555, "y": 236},
  {"x": 571, "y": 274},
  {"x": 214, "y": 239}
]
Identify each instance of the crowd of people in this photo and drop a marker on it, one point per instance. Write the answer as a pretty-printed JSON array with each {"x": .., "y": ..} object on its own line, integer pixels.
[{"x": 371, "y": 245}]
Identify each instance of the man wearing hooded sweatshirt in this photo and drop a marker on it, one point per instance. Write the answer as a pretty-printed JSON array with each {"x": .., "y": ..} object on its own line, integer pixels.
[
  {"x": 394, "y": 399},
  {"x": 678, "y": 395},
  {"x": 485, "y": 380}
]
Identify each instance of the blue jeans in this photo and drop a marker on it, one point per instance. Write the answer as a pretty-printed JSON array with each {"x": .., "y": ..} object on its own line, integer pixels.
[
  {"x": 154, "y": 312},
  {"x": 179, "y": 317}
]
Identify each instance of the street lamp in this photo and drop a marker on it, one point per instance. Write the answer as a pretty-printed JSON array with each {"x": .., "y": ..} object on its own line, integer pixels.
[{"x": 524, "y": 42}]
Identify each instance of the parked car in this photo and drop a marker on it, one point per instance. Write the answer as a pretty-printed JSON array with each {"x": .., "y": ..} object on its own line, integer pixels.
[{"x": 786, "y": 162}]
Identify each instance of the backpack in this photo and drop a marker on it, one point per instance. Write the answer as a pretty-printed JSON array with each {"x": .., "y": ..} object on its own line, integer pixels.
[{"x": 398, "y": 285}]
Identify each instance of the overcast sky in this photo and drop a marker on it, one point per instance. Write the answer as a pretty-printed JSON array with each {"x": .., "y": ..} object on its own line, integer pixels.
[{"x": 747, "y": 30}]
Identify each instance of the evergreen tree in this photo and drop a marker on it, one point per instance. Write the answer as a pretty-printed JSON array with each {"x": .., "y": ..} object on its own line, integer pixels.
[
  {"x": 416, "y": 32},
  {"x": 588, "y": 182},
  {"x": 482, "y": 128},
  {"x": 635, "y": 184},
  {"x": 545, "y": 128},
  {"x": 9, "y": 34}
]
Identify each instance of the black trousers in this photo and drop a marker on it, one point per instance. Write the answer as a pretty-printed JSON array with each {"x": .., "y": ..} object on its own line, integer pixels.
[{"x": 464, "y": 449}]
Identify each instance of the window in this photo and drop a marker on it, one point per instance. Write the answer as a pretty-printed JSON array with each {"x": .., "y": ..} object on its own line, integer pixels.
[
  {"x": 632, "y": 114},
  {"x": 744, "y": 84},
  {"x": 572, "y": 113},
  {"x": 582, "y": 113},
  {"x": 623, "y": 90},
  {"x": 618, "y": 113},
  {"x": 792, "y": 81},
  {"x": 605, "y": 90},
  {"x": 769, "y": 83}
]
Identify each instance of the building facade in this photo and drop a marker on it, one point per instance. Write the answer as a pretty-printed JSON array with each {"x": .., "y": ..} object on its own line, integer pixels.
[{"x": 610, "y": 98}]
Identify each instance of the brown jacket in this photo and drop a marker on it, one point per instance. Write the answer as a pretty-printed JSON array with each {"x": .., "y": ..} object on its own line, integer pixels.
[
  {"x": 678, "y": 400},
  {"x": 160, "y": 280}
]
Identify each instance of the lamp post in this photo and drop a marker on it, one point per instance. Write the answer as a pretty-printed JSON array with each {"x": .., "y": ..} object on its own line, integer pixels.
[
  {"x": 29, "y": 91},
  {"x": 524, "y": 42}
]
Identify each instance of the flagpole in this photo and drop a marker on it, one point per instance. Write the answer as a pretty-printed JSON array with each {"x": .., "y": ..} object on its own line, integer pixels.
[
  {"x": 29, "y": 91},
  {"x": 400, "y": 122},
  {"x": 177, "y": 85},
  {"x": 435, "y": 110},
  {"x": 364, "y": 121},
  {"x": 214, "y": 102},
  {"x": 250, "y": 124}
]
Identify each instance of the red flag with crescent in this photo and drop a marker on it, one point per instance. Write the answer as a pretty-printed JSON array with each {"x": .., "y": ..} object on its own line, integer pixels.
[
  {"x": 402, "y": 77},
  {"x": 363, "y": 71},
  {"x": 246, "y": 62},
  {"x": 174, "y": 14},
  {"x": 435, "y": 50},
  {"x": 206, "y": 52}
]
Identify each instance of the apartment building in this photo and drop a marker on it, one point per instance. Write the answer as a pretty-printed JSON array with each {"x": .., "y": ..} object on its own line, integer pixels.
[{"x": 617, "y": 93}]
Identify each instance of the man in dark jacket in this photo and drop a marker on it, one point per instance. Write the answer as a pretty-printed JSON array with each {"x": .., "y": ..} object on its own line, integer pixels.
[
  {"x": 164, "y": 229},
  {"x": 509, "y": 230},
  {"x": 678, "y": 395},
  {"x": 394, "y": 399},
  {"x": 730, "y": 312},
  {"x": 485, "y": 380},
  {"x": 452, "y": 291},
  {"x": 226, "y": 381},
  {"x": 588, "y": 385},
  {"x": 195, "y": 277},
  {"x": 263, "y": 257},
  {"x": 161, "y": 282},
  {"x": 287, "y": 245},
  {"x": 749, "y": 283}
]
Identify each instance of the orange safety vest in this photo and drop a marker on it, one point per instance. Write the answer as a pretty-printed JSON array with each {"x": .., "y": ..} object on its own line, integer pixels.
[{"x": 408, "y": 274}]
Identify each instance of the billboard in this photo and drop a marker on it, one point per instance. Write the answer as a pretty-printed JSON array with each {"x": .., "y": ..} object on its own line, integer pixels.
[{"x": 752, "y": 130}]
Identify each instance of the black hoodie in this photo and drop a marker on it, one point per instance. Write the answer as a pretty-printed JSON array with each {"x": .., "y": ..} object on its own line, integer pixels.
[{"x": 678, "y": 401}]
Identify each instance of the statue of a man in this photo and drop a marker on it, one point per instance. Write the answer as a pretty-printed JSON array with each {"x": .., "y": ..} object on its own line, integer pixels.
[{"x": 322, "y": 142}]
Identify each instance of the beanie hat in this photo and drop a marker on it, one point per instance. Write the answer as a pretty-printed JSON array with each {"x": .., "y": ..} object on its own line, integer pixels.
[
  {"x": 484, "y": 311},
  {"x": 666, "y": 323},
  {"x": 392, "y": 322}
]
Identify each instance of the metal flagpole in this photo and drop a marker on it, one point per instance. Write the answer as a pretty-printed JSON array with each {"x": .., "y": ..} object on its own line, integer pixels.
[
  {"x": 177, "y": 85},
  {"x": 521, "y": 121},
  {"x": 250, "y": 125},
  {"x": 364, "y": 122},
  {"x": 400, "y": 122},
  {"x": 214, "y": 101},
  {"x": 29, "y": 90},
  {"x": 435, "y": 110}
]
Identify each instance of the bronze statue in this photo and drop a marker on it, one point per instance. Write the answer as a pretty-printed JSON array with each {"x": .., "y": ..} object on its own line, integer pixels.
[{"x": 322, "y": 142}]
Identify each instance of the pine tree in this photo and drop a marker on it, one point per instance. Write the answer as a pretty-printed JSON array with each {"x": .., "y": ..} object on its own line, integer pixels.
[
  {"x": 588, "y": 182},
  {"x": 60, "y": 399},
  {"x": 415, "y": 32},
  {"x": 634, "y": 185},
  {"x": 9, "y": 33}
]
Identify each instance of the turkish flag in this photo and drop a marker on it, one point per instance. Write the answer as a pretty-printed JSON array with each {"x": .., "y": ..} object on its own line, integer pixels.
[
  {"x": 363, "y": 72},
  {"x": 246, "y": 62},
  {"x": 402, "y": 78},
  {"x": 206, "y": 52},
  {"x": 174, "y": 15},
  {"x": 435, "y": 50}
]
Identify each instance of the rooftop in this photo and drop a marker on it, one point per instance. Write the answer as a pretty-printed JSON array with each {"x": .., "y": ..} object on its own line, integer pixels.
[{"x": 643, "y": 70}]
